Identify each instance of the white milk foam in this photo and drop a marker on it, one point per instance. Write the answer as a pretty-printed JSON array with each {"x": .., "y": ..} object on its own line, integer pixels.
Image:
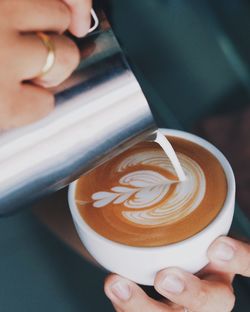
[{"x": 142, "y": 192}]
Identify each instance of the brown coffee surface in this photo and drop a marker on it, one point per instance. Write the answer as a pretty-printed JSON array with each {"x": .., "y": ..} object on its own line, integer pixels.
[{"x": 135, "y": 198}]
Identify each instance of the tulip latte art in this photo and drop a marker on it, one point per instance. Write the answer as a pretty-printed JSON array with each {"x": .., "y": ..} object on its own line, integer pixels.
[{"x": 136, "y": 198}]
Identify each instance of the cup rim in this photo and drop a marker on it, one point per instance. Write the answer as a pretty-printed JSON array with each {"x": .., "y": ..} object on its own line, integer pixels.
[{"x": 229, "y": 198}]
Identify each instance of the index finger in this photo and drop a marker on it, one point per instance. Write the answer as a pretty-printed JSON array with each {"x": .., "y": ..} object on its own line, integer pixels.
[
  {"x": 81, "y": 19},
  {"x": 230, "y": 255}
]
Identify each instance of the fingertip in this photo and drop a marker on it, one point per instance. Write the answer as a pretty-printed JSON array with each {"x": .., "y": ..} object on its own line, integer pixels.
[
  {"x": 170, "y": 280},
  {"x": 109, "y": 280},
  {"x": 218, "y": 240},
  {"x": 222, "y": 249},
  {"x": 81, "y": 17},
  {"x": 117, "y": 289},
  {"x": 161, "y": 274},
  {"x": 80, "y": 27}
]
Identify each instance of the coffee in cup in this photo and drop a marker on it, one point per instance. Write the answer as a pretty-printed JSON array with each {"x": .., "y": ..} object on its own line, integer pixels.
[
  {"x": 136, "y": 218},
  {"x": 136, "y": 199}
]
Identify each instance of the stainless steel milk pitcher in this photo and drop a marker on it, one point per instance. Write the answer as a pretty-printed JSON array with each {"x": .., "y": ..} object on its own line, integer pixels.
[{"x": 100, "y": 112}]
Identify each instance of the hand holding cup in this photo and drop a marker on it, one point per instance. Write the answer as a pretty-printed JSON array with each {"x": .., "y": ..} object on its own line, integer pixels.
[{"x": 211, "y": 290}]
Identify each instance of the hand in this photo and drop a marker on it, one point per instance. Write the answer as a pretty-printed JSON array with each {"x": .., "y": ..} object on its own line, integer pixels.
[
  {"x": 80, "y": 16},
  {"x": 23, "y": 54},
  {"x": 210, "y": 291}
]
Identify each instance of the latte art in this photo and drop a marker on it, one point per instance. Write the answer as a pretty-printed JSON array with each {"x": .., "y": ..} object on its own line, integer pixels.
[
  {"x": 146, "y": 188},
  {"x": 143, "y": 189},
  {"x": 137, "y": 199}
]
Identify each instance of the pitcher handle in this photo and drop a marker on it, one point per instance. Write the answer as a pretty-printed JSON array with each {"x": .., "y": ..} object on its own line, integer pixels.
[{"x": 95, "y": 19}]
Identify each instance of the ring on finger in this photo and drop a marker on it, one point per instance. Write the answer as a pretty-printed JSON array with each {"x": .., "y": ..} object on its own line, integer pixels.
[{"x": 51, "y": 56}]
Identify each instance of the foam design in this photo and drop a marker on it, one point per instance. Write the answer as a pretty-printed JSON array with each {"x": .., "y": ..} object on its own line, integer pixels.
[{"x": 151, "y": 198}]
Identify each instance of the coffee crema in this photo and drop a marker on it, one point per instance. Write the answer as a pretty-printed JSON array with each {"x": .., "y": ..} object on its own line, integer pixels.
[{"x": 136, "y": 199}]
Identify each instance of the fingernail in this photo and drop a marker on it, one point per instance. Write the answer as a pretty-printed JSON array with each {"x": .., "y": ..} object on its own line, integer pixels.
[
  {"x": 83, "y": 26},
  {"x": 121, "y": 290},
  {"x": 173, "y": 284},
  {"x": 81, "y": 31},
  {"x": 223, "y": 252}
]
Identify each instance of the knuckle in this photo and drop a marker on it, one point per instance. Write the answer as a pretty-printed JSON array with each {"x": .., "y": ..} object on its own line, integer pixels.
[
  {"x": 201, "y": 299},
  {"x": 12, "y": 11}
]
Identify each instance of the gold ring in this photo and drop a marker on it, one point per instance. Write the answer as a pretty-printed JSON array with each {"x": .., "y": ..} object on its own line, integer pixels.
[{"x": 51, "y": 57}]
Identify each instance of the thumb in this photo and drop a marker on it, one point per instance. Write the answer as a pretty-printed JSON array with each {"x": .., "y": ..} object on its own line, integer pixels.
[
  {"x": 126, "y": 296},
  {"x": 230, "y": 255}
]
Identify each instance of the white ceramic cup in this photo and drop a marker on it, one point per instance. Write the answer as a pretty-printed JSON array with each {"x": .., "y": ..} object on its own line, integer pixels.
[{"x": 140, "y": 264}]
